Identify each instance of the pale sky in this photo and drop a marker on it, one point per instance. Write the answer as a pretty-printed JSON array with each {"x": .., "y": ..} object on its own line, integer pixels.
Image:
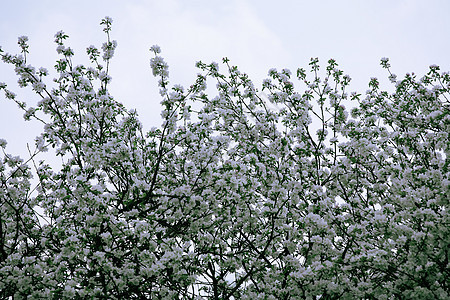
[{"x": 254, "y": 35}]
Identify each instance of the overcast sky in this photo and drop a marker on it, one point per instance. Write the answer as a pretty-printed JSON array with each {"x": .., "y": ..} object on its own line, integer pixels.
[{"x": 254, "y": 34}]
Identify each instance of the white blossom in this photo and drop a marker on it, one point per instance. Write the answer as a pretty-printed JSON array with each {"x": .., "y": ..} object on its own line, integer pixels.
[{"x": 230, "y": 197}]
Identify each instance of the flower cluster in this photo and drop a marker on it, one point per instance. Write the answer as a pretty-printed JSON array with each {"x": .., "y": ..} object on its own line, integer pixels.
[{"x": 232, "y": 199}]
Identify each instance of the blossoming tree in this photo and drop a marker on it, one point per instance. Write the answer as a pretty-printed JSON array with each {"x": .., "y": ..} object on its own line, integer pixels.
[{"x": 228, "y": 198}]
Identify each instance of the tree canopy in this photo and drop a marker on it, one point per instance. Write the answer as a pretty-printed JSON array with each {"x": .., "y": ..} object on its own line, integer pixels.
[{"x": 330, "y": 196}]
